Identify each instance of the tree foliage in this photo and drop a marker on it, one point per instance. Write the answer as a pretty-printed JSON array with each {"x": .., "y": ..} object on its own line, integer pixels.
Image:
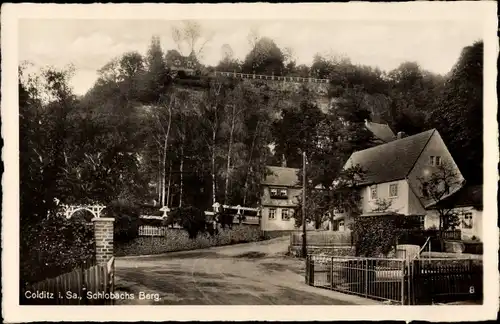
[{"x": 138, "y": 135}]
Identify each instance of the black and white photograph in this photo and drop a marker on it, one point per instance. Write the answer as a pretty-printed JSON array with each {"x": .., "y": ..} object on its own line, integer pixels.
[{"x": 164, "y": 155}]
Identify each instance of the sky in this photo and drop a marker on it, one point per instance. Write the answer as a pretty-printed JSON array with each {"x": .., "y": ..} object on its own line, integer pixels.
[{"x": 89, "y": 44}]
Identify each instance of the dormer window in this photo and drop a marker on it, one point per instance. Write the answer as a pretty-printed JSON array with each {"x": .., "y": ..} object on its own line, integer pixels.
[
  {"x": 177, "y": 62},
  {"x": 279, "y": 193}
]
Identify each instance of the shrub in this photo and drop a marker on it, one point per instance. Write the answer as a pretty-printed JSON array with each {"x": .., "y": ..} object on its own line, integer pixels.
[
  {"x": 377, "y": 235},
  {"x": 126, "y": 215},
  {"x": 54, "y": 246},
  {"x": 192, "y": 219}
]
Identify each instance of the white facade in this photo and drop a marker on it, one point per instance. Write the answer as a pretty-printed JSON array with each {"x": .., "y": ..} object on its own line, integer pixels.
[{"x": 471, "y": 222}]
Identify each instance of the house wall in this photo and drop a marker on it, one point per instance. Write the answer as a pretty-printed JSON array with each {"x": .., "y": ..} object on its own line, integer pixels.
[
  {"x": 399, "y": 204},
  {"x": 432, "y": 220},
  {"x": 278, "y": 224},
  {"x": 422, "y": 168},
  {"x": 415, "y": 207}
]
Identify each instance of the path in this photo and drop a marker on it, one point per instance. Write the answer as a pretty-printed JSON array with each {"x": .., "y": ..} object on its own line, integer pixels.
[{"x": 244, "y": 274}]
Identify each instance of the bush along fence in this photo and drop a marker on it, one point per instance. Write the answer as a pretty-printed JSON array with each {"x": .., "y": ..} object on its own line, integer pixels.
[
  {"x": 92, "y": 283},
  {"x": 398, "y": 281}
]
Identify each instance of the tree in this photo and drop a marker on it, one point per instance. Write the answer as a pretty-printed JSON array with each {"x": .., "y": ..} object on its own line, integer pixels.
[
  {"x": 190, "y": 38},
  {"x": 157, "y": 76},
  {"x": 443, "y": 181},
  {"x": 459, "y": 113},
  {"x": 228, "y": 62},
  {"x": 412, "y": 92},
  {"x": 297, "y": 131},
  {"x": 264, "y": 58}
]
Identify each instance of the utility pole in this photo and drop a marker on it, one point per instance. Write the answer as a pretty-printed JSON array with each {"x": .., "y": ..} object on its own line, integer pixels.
[{"x": 304, "y": 246}]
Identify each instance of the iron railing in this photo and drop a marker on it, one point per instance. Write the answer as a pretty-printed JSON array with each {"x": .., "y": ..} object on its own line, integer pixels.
[
  {"x": 377, "y": 278},
  {"x": 400, "y": 281}
]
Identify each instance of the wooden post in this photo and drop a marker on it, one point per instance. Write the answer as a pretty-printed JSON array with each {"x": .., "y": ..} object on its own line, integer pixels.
[{"x": 304, "y": 244}]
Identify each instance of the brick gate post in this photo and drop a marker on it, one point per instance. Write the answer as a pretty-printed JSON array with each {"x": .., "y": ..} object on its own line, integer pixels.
[{"x": 103, "y": 234}]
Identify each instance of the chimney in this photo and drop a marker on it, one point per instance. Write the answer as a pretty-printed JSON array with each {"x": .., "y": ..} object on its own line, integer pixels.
[
  {"x": 401, "y": 135},
  {"x": 283, "y": 161}
]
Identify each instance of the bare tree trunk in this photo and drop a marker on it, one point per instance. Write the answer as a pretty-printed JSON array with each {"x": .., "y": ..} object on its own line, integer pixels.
[
  {"x": 169, "y": 184},
  {"x": 213, "y": 168},
  {"x": 165, "y": 143},
  {"x": 159, "y": 184},
  {"x": 163, "y": 171},
  {"x": 181, "y": 170},
  {"x": 229, "y": 150},
  {"x": 249, "y": 163}
]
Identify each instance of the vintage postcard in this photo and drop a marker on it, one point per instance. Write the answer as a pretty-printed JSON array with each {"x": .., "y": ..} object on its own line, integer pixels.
[{"x": 250, "y": 162}]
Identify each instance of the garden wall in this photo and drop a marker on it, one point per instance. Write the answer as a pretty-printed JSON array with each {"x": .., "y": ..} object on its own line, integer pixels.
[
  {"x": 178, "y": 240},
  {"x": 331, "y": 251}
]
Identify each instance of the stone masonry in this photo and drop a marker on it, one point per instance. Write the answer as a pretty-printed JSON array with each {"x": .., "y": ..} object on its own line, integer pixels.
[{"x": 103, "y": 233}]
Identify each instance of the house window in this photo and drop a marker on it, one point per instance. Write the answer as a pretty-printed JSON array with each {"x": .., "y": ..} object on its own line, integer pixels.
[
  {"x": 279, "y": 193},
  {"x": 435, "y": 160},
  {"x": 285, "y": 214},
  {"x": 422, "y": 222},
  {"x": 467, "y": 221},
  {"x": 272, "y": 213},
  {"x": 341, "y": 225},
  {"x": 393, "y": 190},
  {"x": 373, "y": 192},
  {"x": 425, "y": 190}
]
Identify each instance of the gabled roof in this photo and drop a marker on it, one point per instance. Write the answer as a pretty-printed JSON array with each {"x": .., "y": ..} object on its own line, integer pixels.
[
  {"x": 390, "y": 161},
  {"x": 467, "y": 196},
  {"x": 381, "y": 131},
  {"x": 281, "y": 176}
]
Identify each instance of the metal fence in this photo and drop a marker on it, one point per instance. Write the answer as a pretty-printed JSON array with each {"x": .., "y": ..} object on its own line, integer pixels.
[
  {"x": 381, "y": 279},
  {"x": 148, "y": 230},
  {"x": 400, "y": 281},
  {"x": 323, "y": 238}
]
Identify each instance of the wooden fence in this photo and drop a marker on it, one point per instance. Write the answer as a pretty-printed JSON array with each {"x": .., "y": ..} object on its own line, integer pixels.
[
  {"x": 82, "y": 286},
  {"x": 445, "y": 280},
  {"x": 322, "y": 239}
]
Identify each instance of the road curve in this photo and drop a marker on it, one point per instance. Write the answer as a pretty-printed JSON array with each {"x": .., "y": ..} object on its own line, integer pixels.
[{"x": 244, "y": 274}]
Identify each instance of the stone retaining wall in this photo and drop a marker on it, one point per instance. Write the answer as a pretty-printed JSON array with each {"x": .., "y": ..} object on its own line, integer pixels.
[{"x": 331, "y": 251}]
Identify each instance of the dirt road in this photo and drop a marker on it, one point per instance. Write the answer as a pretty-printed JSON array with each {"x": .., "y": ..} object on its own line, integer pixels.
[{"x": 244, "y": 274}]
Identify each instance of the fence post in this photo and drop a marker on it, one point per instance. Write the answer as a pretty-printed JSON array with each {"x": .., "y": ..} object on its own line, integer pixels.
[
  {"x": 331, "y": 273},
  {"x": 366, "y": 278},
  {"x": 307, "y": 270},
  {"x": 103, "y": 233},
  {"x": 403, "y": 277}
]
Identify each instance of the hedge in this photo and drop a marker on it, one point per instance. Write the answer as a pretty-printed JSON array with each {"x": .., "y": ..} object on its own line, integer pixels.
[
  {"x": 179, "y": 240},
  {"x": 54, "y": 246}
]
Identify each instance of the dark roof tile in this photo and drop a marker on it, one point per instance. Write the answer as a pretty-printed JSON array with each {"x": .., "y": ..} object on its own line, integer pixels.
[{"x": 281, "y": 176}]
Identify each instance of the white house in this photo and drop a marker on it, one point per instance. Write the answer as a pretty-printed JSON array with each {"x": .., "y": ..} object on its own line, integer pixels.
[
  {"x": 393, "y": 172},
  {"x": 280, "y": 196},
  {"x": 467, "y": 204}
]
